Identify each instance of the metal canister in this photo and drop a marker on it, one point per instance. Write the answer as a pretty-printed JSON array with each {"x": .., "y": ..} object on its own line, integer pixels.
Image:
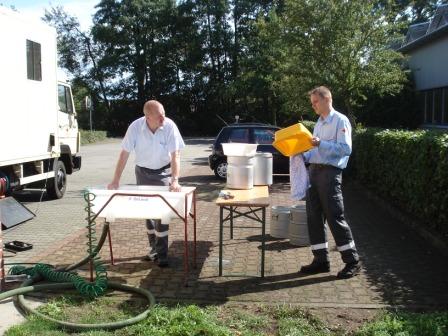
[
  {"x": 240, "y": 172},
  {"x": 298, "y": 227},
  {"x": 280, "y": 221},
  {"x": 263, "y": 168}
]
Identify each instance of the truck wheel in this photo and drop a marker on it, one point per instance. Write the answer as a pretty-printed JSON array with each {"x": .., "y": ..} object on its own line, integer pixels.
[
  {"x": 57, "y": 185},
  {"x": 221, "y": 170}
]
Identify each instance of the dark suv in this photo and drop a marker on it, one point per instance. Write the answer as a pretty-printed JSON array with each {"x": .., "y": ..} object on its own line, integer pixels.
[{"x": 253, "y": 133}]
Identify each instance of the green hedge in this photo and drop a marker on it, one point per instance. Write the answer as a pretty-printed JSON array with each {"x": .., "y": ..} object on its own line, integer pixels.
[
  {"x": 92, "y": 136},
  {"x": 408, "y": 168},
  {"x": 309, "y": 124}
]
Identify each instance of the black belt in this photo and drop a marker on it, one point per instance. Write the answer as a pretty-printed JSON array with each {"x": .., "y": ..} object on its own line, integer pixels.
[
  {"x": 157, "y": 170},
  {"x": 321, "y": 166}
]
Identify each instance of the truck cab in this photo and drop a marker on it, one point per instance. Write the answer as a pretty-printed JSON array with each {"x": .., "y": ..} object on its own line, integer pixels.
[{"x": 68, "y": 132}]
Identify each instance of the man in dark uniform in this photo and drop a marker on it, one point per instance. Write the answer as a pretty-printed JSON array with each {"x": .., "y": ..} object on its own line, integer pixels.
[{"x": 332, "y": 147}]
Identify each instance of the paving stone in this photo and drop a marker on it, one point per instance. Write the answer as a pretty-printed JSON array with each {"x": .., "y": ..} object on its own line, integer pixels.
[{"x": 396, "y": 263}]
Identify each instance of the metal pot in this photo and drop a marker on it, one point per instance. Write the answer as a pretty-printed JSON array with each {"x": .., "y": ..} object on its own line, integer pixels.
[
  {"x": 263, "y": 168},
  {"x": 240, "y": 172}
]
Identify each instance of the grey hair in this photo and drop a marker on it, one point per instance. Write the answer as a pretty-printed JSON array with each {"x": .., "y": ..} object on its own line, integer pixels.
[{"x": 321, "y": 91}]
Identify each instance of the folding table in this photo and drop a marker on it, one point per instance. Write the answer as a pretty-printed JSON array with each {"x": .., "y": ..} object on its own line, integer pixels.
[{"x": 254, "y": 201}]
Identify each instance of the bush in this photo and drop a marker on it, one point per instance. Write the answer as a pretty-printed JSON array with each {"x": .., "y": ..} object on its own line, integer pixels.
[
  {"x": 309, "y": 125},
  {"x": 92, "y": 136},
  {"x": 408, "y": 168}
]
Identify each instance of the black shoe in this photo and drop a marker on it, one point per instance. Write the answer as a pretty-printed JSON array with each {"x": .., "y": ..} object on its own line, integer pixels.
[
  {"x": 349, "y": 270},
  {"x": 151, "y": 256},
  {"x": 162, "y": 262},
  {"x": 315, "y": 267}
]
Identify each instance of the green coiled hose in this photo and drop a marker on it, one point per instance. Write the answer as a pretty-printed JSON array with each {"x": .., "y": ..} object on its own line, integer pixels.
[
  {"x": 85, "y": 288},
  {"x": 64, "y": 278}
]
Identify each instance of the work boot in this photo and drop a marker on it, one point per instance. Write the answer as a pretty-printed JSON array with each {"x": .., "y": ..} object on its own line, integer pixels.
[
  {"x": 316, "y": 267},
  {"x": 151, "y": 256},
  {"x": 349, "y": 270}
]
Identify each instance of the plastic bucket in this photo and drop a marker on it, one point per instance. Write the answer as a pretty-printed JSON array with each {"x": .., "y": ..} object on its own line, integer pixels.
[
  {"x": 298, "y": 228},
  {"x": 280, "y": 221},
  {"x": 293, "y": 140}
]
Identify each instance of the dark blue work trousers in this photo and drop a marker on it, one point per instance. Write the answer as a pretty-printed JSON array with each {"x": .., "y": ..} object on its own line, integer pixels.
[{"x": 325, "y": 202}]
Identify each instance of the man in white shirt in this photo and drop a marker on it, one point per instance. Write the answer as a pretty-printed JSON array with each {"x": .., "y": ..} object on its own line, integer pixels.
[{"x": 157, "y": 142}]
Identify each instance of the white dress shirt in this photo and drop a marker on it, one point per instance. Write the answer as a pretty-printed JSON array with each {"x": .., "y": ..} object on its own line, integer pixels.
[{"x": 152, "y": 150}]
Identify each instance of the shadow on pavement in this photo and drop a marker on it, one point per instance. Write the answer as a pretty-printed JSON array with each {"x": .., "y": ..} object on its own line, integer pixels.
[
  {"x": 200, "y": 162},
  {"x": 31, "y": 195},
  {"x": 207, "y": 186},
  {"x": 221, "y": 291},
  {"x": 399, "y": 265}
]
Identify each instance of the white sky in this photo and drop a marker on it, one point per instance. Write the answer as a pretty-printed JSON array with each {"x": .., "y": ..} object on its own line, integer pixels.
[{"x": 82, "y": 9}]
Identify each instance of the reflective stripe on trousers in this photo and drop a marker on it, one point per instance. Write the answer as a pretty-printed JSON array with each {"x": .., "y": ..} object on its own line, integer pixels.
[{"x": 324, "y": 201}]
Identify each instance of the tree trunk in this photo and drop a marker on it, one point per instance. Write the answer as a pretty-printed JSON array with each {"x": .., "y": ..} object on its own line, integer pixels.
[{"x": 349, "y": 113}]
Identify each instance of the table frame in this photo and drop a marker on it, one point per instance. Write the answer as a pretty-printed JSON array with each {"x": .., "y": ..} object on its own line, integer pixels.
[
  {"x": 2, "y": 265},
  {"x": 184, "y": 219}
]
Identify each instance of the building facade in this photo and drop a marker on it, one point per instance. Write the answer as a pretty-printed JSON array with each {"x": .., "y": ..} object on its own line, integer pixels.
[{"x": 426, "y": 44}]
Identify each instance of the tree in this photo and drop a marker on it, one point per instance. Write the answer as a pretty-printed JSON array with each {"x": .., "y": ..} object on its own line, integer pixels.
[
  {"x": 254, "y": 56},
  {"x": 411, "y": 11},
  {"x": 341, "y": 44},
  {"x": 78, "y": 54},
  {"x": 135, "y": 36}
]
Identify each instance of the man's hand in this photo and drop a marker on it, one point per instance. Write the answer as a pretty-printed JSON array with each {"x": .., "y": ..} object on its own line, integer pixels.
[
  {"x": 113, "y": 185},
  {"x": 175, "y": 186},
  {"x": 315, "y": 141}
]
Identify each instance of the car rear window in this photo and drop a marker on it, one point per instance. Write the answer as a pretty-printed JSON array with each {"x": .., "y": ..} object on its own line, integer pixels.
[
  {"x": 263, "y": 136},
  {"x": 239, "y": 135}
]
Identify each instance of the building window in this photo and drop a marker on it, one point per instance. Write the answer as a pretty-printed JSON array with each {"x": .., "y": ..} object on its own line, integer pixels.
[
  {"x": 421, "y": 96},
  {"x": 435, "y": 106},
  {"x": 33, "y": 60},
  {"x": 437, "y": 116},
  {"x": 445, "y": 106},
  {"x": 428, "y": 107}
]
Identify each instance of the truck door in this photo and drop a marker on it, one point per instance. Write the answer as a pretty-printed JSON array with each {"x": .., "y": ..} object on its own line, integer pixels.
[{"x": 68, "y": 125}]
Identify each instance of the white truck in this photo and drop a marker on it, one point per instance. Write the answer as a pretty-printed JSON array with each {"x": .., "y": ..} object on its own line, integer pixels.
[{"x": 39, "y": 137}]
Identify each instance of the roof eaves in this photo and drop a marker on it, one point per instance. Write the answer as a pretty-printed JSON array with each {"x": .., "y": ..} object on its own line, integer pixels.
[{"x": 424, "y": 39}]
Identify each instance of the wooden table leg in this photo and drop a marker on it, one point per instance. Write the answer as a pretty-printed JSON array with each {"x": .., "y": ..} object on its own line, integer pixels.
[
  {"x": 186, "y": 256},
  {"x": 194, "y": 228},
  {"x": 231, "y": 222},
  {"x": 221, "y": 224},
  {"x": 263, "y": 237}
]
